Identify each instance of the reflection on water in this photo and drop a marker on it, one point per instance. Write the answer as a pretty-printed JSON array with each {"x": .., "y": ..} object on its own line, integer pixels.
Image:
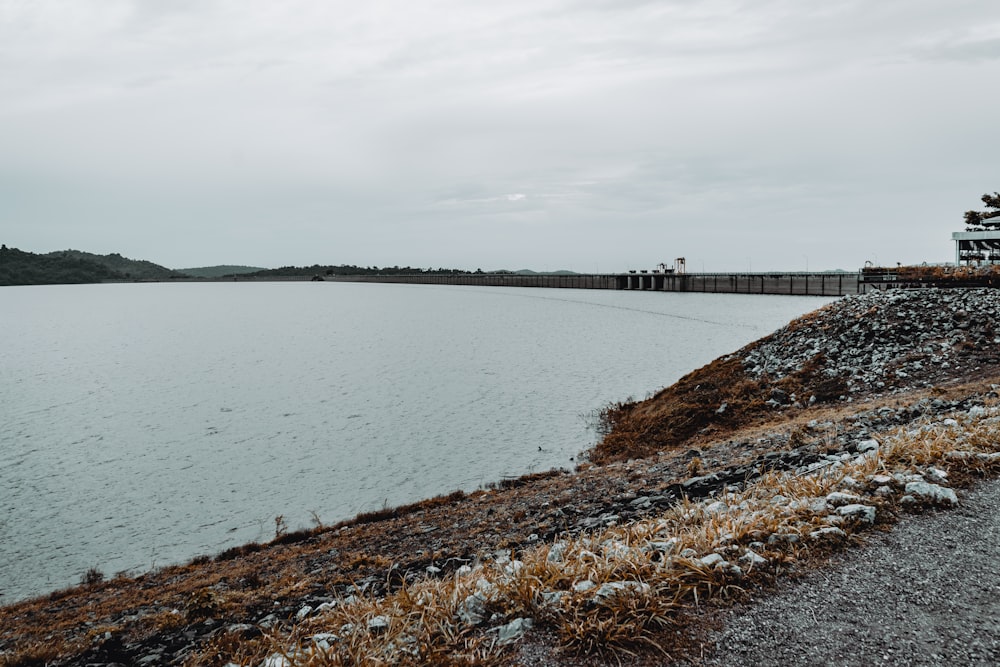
[{"x": 146, "y": 424}]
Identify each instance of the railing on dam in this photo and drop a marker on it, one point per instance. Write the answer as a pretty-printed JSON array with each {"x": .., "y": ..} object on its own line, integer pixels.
[{"x": 806, "y": 284}]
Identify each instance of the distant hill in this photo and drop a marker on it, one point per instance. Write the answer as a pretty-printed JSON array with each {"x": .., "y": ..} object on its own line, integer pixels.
[
  {"x": 129, "y": 269},
  {"x": 529, "y": 272},
  {"x": 18, "y": 267},
  {"x": 351, "y": 270},
  {"x": 25, "y": 268},
  {"x": 220, "y": 271}
]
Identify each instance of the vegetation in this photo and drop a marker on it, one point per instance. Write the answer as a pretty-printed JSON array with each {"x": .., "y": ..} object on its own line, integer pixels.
[
  {"x": 24, "y": 268},
  {"x": 352, "y": 270},
  {"x": 131, "y": 269},
  {"x": 18, "y": 267},
  {"x": 977, "y": 220},
  {"x": 640, "y": 578},
  {"x": 220, "y": 271}
]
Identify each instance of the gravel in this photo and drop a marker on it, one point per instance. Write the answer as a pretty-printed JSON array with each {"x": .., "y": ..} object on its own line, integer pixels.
[{"x": 928, "y": 593}]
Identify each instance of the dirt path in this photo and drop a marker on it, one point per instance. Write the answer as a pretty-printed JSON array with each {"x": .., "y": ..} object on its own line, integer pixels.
[{"x": 927, "y": 593}]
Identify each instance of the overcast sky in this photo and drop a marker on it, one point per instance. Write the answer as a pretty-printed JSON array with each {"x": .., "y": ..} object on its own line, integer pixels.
[{"x": 596, "y": 135}]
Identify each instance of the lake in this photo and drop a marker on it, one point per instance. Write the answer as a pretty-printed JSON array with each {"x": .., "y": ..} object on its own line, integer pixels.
[{"x": 145, "y": 424}]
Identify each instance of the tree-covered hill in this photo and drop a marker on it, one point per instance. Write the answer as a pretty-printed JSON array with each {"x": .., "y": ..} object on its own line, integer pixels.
[
  {"x": 18, "y": 267},
  {"x": 130, "y": 269}
]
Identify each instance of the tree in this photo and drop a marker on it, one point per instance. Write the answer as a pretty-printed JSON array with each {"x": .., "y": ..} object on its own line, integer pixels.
[{"x": 977, "y": 219}]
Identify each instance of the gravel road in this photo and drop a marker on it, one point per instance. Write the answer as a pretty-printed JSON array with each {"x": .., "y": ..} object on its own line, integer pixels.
[{"x": 928, "y": 593}]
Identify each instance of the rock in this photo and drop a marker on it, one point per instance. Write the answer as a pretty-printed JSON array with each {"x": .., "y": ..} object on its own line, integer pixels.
[
  {"x": 981, "y": 457},
  {"x": 716, "y": 508},
  {"x": 512, "y": 568},
  {"x": 712, "y": 560},
  {"x": 472, "y": 611},
  {"x": 931, "y": 493},
  {"x": 936, "y": 475},
  {"x": 514, "y": 630},
  {"x": 830, "y": 532},
  {"x": 753, "y": 559},
  {"x": 378, "y": 625},
  {"x": 552, "y": 598},
  {"x": 839, "y": 499},
  {"x": 613, "y": 588},
  {"x": 556, "y": 552},
  {"x": 302, "y": 613},
  {"x": 858, "y": 512},
  {"x": 324, "y": 640},
  {"x": 663, "y": 547},
  {"x": 432, "y": 570},
  {"x": 584, "y": 586}
]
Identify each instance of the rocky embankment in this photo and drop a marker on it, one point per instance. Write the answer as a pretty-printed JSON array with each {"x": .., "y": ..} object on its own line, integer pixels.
[
  {"x": 866, "y": 347},
  {"x": 753, "y": 467}
]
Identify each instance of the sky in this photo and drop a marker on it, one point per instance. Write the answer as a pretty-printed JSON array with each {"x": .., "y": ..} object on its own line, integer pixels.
[{"x": 589, "y": 135}]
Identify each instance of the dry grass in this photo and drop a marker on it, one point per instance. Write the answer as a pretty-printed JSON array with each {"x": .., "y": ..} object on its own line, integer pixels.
[
  {"x": 614, "y": 592},
  {"x": 714, "y": 400}
]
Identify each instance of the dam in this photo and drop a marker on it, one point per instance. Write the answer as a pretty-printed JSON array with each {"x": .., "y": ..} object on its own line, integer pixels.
[{"x": 805, "y": 284}]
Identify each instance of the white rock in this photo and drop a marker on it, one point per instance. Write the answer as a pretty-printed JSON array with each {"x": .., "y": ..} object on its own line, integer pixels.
[
  {"x": 378, "y": 624},
  {"x": 753, "y": 559},
  {"x": 828, "y": 533},
  {"x": 556, "y": 552},
  {"x": 432, "y": 570},
  {"x": 584, "y": 586},
  {"x": 512, "y": 568},
  {"x": 276, "y": 660},
  {"x": 552, "y": 598},
  {"x": 486, "y": 588},
  {"x": 613, "y": 588},
  {"x": 950, "y": 422},
  {"x": 867, "y": 445},
  {"x": 818, "y": 505},
  {"x": 937, "y": 475},
  {"x": 665, "y": 546},
  {"x": 302, "y": 613},
  {"x": 514, "y": 630},
  {"x": 462, "y": 571},
  {"x": 932, "y": 493},
  {"x": 324, "y": 640},
  {"x": 716, "y": 508},
  {"x": 472, "y": 611},
  {"x": 839, "y": 499},
  {"x": 858, "y": 512},
  {"x": 712, "y": 560}
]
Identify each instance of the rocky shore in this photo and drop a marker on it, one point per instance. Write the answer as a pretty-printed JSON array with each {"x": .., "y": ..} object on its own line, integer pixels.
[{"x": 756, "y": 467}]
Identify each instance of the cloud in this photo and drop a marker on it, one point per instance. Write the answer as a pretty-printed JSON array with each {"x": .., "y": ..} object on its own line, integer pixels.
[{"x": 339, "y": 124}]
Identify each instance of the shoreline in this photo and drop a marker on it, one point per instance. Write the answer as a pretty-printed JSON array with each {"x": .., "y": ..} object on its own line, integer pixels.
[{"x": 433, "y": 540}]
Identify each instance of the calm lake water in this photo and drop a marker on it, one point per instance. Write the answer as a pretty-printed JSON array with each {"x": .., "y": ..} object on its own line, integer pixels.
[{"x": 146, "y": 424}]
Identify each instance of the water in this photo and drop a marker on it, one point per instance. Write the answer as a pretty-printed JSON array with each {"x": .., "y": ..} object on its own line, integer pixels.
[{"x": 146, "y": 424}]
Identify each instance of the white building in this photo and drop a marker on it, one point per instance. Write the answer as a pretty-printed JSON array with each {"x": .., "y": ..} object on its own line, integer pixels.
[{"x": 977, "y": 247}]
